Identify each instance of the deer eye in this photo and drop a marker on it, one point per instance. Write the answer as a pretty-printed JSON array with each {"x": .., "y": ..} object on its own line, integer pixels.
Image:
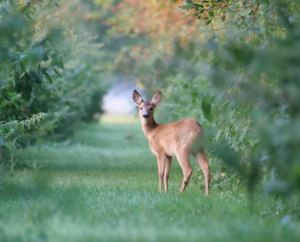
[
  {"x": 141, "y": 108},
  {"x": 151, "y": 109}
]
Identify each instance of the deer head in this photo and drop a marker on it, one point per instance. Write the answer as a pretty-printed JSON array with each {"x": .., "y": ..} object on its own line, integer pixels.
[{"x": 146, "y": 108}]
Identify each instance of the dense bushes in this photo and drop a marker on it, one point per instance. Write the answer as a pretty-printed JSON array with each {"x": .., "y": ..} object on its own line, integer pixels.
[{"x": 48, "y": 67}]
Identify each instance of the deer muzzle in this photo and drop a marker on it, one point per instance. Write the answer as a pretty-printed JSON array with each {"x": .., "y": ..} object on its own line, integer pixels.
[{"x": 145, "y": 116}]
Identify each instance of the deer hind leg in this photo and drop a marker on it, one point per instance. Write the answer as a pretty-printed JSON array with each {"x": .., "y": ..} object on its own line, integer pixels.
[
  {"x": 167, "y": 172},
  {"x": 184, "y": 162},
  {"x": 203, "y": 163}
]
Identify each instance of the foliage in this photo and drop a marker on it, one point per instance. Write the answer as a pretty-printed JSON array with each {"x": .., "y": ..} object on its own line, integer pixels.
[
  {"x": 12, "y": 128},
  {"x": 27, "y": 57},
  {"x": 139, "y": 40},
  {"x": 48, "y": 66},
  {"x": 78, "y": 92},
  {"x": 11, "y": 147},
  {"x": 251, "y": 98},
  {"x": 240, "y": 13}
]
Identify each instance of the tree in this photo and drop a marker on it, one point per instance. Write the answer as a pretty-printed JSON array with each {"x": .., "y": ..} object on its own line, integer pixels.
[{"x": 254, "y": 76}]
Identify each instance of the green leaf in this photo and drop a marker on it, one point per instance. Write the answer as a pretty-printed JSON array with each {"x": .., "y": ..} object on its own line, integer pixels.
[
  {"x": 27, "y": 125},
  {"x": 56, "y": 71},
  {"x": 48, "y": 77},
  {"x": 218, "y": 134},
  {"x": 198, "y": 5},
  {"x": 4, "y": 103},
  {"x": 244, "y": 131},
  {"x": 61, "y": 63},
  {"x": 22, "y": 75},
  {"x": 189, "y": 1},
  {"x": 206, "y": 108},
  {"x": 199, "y": 11},
  {"x": 208, "y": 22},
  {"x": 211, "y": 14},
  {"x": 11, "y": 94},
  {"x": 16, "y": 105},
  {"x": 20, "y": 128}
]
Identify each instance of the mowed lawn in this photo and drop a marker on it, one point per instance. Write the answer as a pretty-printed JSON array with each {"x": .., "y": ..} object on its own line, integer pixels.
[{"x": 101, "y": 185}]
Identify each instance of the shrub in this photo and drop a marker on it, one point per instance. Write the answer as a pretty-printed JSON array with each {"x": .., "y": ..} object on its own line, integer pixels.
[{"x": 46, "y": 67}]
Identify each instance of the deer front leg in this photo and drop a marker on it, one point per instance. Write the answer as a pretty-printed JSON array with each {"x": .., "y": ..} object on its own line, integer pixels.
[
  {"x": 167, "y": 171},
  {"x": 161, "y": 169}
]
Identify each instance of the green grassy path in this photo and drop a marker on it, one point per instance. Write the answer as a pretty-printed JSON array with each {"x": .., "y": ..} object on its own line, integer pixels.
[{"x": 101, "y": 185}]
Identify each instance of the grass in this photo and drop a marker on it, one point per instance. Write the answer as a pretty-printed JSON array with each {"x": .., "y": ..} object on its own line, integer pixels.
[{"x": 101, "y": 185}]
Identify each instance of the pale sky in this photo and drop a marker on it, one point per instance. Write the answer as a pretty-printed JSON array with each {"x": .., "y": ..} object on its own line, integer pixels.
[{"x": 118, "y": 99}]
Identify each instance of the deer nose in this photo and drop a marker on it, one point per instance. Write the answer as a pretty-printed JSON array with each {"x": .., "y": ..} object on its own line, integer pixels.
[{"x": 145, "y": 116}]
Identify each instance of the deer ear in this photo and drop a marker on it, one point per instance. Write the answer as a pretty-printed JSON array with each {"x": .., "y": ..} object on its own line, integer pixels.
[
  {"x": 156, "y": 99},
  {"x": 137, "y": 98}
]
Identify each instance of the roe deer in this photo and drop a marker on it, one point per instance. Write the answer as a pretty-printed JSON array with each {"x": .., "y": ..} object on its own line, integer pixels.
[{"x": 172, "y": 139}]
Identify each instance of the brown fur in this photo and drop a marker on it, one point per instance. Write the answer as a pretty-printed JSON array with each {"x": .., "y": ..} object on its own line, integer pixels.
[{"x": 172, "y": 139}]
